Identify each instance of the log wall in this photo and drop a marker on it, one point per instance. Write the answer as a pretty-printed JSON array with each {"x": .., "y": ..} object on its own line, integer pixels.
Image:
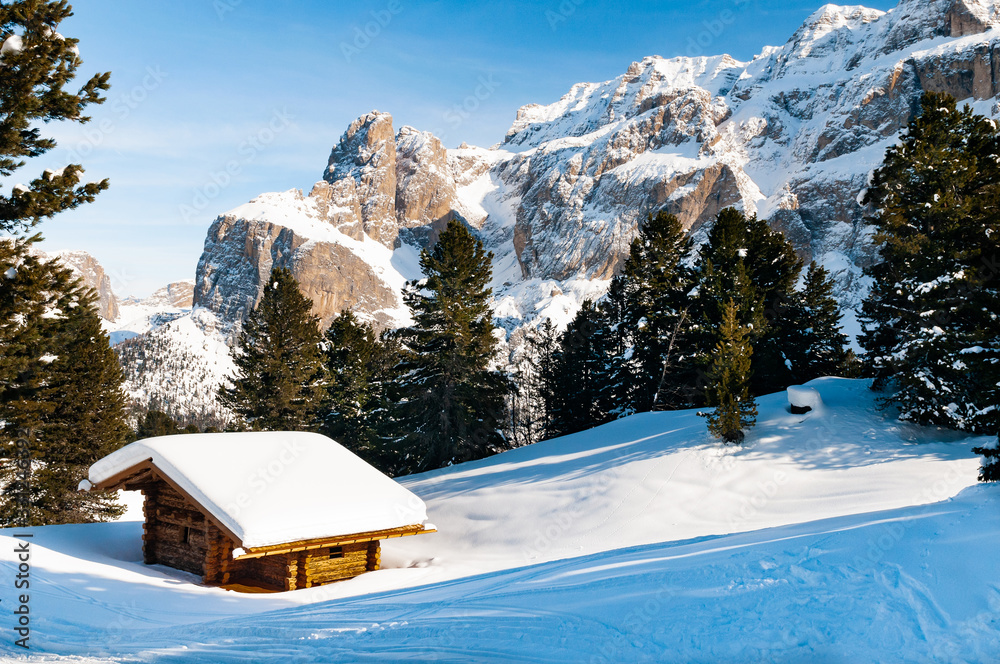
[
  {"x": 218, "y": 557},
  {"x": 174, "y": 533},
  {"x": 269, "y": 571},
  {"x": 319, "y": 566}
]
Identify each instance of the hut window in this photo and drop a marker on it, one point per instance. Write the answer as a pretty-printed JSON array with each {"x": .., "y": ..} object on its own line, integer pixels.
[
  {"x": 336, "y": 552},
  {"x": 186, "y": 535}
]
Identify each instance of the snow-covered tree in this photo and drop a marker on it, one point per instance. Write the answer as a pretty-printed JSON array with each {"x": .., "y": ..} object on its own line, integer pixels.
[
  {"x": 990, "y": 470},
  {"x": 531, "y": 367},
  {"x": 931, "y": 321}
]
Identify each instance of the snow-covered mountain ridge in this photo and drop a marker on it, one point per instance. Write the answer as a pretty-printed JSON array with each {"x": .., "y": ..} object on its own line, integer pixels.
[
  {"x": 174, "y": 357},
  {"x": 791, "y": 135}
]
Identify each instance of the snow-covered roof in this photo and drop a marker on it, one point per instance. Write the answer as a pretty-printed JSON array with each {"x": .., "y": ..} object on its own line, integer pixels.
[{"x": 273, "y": 487}]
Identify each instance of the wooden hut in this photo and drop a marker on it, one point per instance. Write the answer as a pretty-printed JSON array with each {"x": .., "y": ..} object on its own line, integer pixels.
[{"x": 269, "y": 510}]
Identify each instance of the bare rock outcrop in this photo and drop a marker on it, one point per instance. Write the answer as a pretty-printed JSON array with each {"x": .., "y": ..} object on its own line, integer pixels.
[
  {"x": 86, "y": 268},
  {"x": 366, "y": 154},
  {"x": 244, "y": 245},
  {"x": 179, "y": 294},
  {"x": 425, "y": 186}
]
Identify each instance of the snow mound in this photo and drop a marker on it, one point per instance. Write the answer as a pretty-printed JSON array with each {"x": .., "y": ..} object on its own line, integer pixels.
[{"x": 804, "y": 398}]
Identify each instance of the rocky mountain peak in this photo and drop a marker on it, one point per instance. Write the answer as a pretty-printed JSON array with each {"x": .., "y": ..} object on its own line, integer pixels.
[
  {"x": 588, "y": 107},
  {"x": 382, "y": 184},
  {"x": 425, "y": 186},
  {"x": 828, "y": 28},
  {"x": 366, "y": 154},
  {"x": 912, "y": 21},
  {"x": 179, "y": 294},
  {"x": 792, "y": 135}
]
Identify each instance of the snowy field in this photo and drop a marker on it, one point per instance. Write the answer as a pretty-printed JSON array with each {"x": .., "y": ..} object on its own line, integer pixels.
[{"x": 840, "y": 535}]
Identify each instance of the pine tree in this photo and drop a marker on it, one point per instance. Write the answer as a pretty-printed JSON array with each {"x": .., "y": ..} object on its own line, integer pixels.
[
  {"x": 725, "y": 274},
  {"x": 530, "y": 362},
  {"x": 278, "y": 385},
  {"x": 39, "y": 327},
  {"x": 745, "y": 261},
  {"x": 156, "y": 423},
  {"x": 546, "y": 351},
  {"x": 37, "y": 64},
  {"x": 647, "y": 305},
  {"x": 619, "y": 375},
  {"x": 453, "y": 402},
  {"x": 359, "y": 366},
  {"x": 930, "y": 321},
  {"x": 88, "y": 420},
  {"x": 771, "y": 263},
  {"x": 774, "y": 269},
  {"x": 578, "y": 382},
  {"x": 61, "y": 397},
  {"x": 990, "y": 470},
  {"x": 814, "y": 344},
  {"x": 723, "y": 278},
  {"x": 729, "y": 380}
]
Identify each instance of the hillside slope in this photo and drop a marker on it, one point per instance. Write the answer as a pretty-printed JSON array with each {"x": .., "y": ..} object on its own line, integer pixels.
[{"x": 838, "y": 535}]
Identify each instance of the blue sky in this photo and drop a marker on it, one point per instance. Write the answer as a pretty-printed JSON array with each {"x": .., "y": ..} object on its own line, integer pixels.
[{"x": 215, "y": 101}]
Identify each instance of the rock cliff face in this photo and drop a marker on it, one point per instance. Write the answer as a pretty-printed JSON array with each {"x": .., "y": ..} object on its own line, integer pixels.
[
  {"x": 792, "y": 135},
  {"x": 425, "y": 186},
  {"x": 92, "y": 274},
  {"x": 305, "y": 234},
  {"x": 363, "y": 165},
  {"x": 179, "y": 294}
]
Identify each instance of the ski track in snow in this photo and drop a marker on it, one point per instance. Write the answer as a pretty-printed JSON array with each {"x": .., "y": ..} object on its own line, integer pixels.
[{"x": 836, "y": 536}]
